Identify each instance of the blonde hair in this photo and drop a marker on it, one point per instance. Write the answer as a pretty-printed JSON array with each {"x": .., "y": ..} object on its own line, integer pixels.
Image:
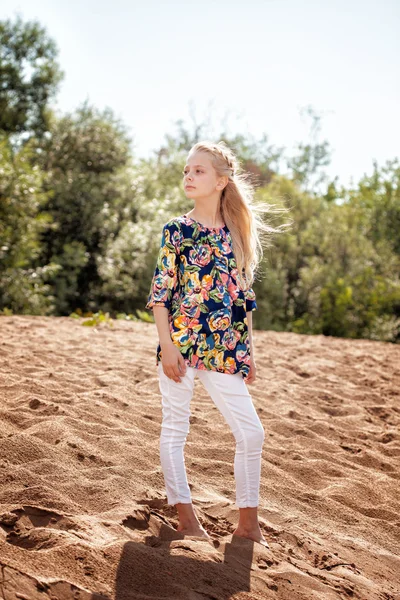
[{"x": 239, "y": 211}]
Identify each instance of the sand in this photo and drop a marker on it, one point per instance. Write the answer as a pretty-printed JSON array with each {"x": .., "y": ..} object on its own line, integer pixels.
[{"x": 83, "y": 511}]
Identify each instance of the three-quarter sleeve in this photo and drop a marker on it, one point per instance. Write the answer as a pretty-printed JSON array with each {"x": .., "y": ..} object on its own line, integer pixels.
[
  {"x": 251, "y": 303},
  {"x": 165, "y": 279}
]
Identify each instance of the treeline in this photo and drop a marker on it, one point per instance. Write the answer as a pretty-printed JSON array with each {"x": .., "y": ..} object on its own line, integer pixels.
[{"x": 81, "y": 216}]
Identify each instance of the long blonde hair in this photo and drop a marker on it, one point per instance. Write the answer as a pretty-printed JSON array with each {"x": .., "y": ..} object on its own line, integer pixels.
[{"x": 239, "y": 211}]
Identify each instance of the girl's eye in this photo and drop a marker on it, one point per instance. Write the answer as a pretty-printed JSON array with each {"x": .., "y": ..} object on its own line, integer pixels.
[{"x": 198, "y": 171}]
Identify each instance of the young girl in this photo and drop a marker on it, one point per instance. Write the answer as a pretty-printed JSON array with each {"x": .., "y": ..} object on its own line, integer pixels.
[{"x": 202, "y": 304}]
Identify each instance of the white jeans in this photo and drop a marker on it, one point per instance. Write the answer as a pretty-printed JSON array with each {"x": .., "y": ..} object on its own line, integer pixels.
[{"x": 231, "y": 396}]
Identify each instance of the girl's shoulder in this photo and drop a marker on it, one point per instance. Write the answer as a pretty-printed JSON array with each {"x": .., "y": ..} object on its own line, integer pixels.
[
  {"x": 180, "y": 225},
  {"x": 175, "y": 231},
  {"x": 177, "y": 222},
  {"x": 180, "y": 221}
]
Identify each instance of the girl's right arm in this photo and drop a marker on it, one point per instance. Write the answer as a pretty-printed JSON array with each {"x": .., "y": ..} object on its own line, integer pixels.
[
  {"x": 163, "y": 286},
  {"x": 161, "y": 318},
  {"x": 172, "y": 360}
]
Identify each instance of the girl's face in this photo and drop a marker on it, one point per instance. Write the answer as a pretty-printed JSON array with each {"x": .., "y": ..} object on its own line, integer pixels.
[{"x": 200, "y": 178}]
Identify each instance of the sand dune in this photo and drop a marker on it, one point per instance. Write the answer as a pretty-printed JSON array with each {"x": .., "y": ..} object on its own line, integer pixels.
[{"x": 83, "y": 512}]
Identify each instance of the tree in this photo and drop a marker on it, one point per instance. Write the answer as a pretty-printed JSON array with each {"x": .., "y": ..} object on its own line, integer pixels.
[
  {"x": 306, "y": 165},
  {"x": 86, "y": 159},
  {"x": 29, "y": 77},
  {"x": 24, "y": 286}
]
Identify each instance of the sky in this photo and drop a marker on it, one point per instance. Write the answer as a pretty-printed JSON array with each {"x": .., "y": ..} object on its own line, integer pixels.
[{"x": 253, "y": 66}]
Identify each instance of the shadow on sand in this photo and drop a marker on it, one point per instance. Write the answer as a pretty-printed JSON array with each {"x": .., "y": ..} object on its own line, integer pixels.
[{"x": 166, "y": 566}]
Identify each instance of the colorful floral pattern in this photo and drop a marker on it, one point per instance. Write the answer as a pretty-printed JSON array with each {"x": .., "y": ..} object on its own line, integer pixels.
[{"x": 195, "y": 278}]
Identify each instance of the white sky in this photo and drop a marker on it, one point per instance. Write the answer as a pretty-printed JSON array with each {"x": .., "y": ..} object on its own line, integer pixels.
[{"x": 260, "y": 61}]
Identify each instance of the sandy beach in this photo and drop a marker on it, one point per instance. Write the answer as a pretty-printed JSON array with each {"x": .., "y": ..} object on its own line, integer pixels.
[{"x": 83, "y": 512}]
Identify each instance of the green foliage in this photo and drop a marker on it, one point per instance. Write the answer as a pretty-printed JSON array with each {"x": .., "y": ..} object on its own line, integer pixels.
[
  {"x": 310, "y": 157},
  {"x": 97, "y": 319},
  {"x": 29, "y": 76},
  {"x": 89, "y": 174},
  {"x": 145, "y": 316},
  {"x": 378, "y": 198},
  {"x": 130, "y": 317},
  {"x": 24, "y": 285},
  {"x": 94, "y": 319},
  {"x": 332, "y": 274},
  {"x": 86, "y": 141}
]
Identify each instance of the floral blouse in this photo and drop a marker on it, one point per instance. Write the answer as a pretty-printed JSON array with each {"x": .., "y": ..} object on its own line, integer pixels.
[{"x": 195, "y": 278}]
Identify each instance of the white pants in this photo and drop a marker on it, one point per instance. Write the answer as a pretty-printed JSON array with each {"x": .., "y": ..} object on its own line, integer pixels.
[{"x": 231, "y": 396}]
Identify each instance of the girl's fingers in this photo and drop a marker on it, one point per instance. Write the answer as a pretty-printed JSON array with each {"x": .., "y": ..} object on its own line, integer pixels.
[{"x": 173, "y": 373}]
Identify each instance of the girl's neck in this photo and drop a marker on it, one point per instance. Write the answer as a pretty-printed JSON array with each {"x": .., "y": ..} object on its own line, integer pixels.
[{"x": 214, "y": 221}]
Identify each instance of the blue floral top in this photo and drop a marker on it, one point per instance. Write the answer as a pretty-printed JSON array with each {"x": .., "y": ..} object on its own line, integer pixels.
[{"x": 195, "y": 278}]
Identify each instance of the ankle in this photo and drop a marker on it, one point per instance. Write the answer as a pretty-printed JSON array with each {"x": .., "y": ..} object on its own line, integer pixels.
[
  {"x": 193, "y": 522},
  {"x": 186, "y": 515},
  {"x": 248, "y": 527}
]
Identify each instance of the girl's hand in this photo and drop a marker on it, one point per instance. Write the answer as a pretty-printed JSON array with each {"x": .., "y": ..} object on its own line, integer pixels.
[
  {"x": 252, "y": 373},
  {"x": 172, "y": 362}
]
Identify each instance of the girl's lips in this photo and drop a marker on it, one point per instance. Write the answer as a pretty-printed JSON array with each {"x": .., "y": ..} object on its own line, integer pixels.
[{"x": 187, "y": 187}]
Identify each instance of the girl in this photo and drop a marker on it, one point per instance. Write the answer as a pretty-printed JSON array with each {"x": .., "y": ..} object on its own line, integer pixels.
[{"x": 202, "y": 304}]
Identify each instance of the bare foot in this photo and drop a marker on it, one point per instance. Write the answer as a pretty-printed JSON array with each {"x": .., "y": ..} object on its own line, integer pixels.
[
  {"x": 197, "y": 531},
  {"x": 254, "y": 534}
]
